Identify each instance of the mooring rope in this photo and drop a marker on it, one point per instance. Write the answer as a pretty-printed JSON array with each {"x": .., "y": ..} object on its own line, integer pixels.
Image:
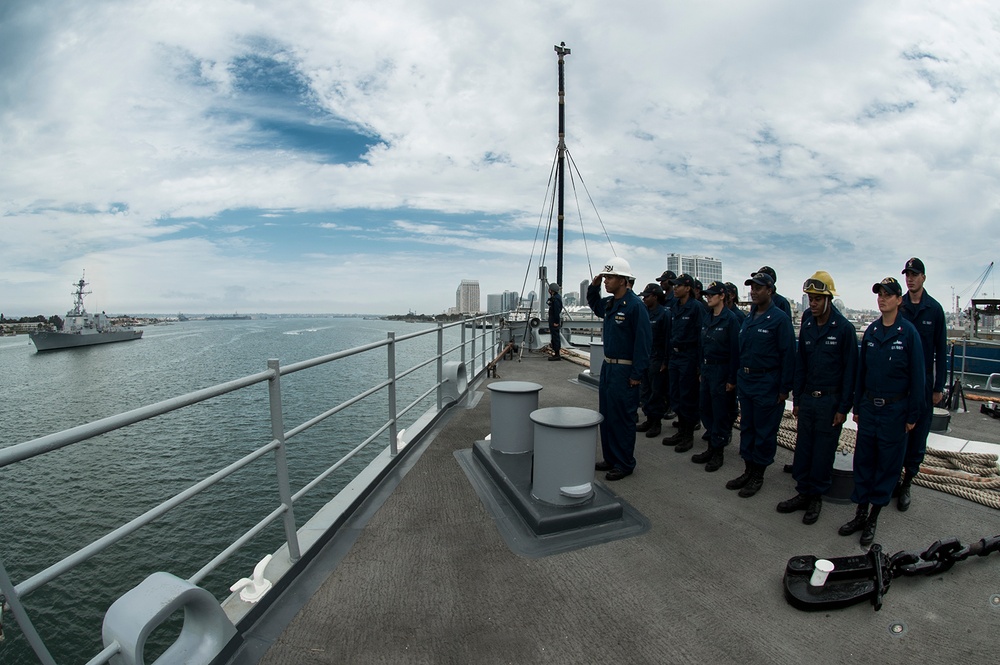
[{"x": 972, "y": 476}]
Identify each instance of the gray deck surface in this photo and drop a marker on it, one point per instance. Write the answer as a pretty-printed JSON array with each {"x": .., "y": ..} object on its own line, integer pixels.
[{"x": 429, "y": 580}]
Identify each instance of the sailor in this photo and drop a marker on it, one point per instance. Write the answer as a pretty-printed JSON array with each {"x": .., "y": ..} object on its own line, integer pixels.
[
  {"x": 764, "y": 379},
  {"x": 627, "y": 339},
  {"x": 927, "y": 316},
  {"x": 685, "y": 338},
  {"x": 823, "y": 389},
  {"x": 776, "y": 298},
  {"x": 697, "y": 294},
  {"x": 732, "y": 295},
  {"x": 888, "y": 398},
  {"x": 666, "y": 280},
  {"x": 654, "y": 383},
  {"x": 720, "y": 353},
  {"x": 555, "y": 304}
]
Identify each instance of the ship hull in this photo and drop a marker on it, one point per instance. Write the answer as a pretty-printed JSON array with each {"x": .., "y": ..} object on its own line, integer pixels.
[{"x": 54, "y": 341}]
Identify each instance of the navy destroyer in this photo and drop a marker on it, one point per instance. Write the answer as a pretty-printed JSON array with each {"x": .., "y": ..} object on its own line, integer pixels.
[{"x": 82, "y": 328}]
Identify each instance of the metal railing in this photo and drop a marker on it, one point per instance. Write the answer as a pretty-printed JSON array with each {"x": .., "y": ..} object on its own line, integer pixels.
[
  {"x": 960, "y": 359},
  {"x": 474, "y": 350}
]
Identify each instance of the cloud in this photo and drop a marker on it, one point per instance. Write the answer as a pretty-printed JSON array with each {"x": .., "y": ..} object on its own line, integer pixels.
[{"x": 210, "y": 146}]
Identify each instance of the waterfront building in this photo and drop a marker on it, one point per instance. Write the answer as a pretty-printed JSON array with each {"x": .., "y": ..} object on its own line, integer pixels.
[
  {"x": 704, "y": 268},
  {"x": 467, "y": 297}
]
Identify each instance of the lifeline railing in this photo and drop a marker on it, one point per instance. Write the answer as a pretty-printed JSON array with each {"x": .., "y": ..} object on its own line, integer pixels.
[{"x": 475, "y": 357}]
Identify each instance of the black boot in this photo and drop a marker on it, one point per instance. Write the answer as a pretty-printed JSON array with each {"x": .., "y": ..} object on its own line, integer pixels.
[
  {"x": 644, "y": 425},
  {"x": 686, "y": 441},
  {"x": 739, "y": 481},
  {"x": 654, "y": 431},
  {"x": 812, "y": 511},
  {"x": 674, "y": 438},
  {"x": 903, "y": 502},
  {"x": 715, "y": 463},
  {"x": 856, "y": 524},
  {"x": 755, "y": 482},
  {"x": 868, "y": 535},
  {"x": 797, "y": 502},
  {"x": 702, "y": 457}
]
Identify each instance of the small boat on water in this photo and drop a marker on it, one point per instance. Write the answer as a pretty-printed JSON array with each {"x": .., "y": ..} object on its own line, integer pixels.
[{"x": 82, "y": 328}]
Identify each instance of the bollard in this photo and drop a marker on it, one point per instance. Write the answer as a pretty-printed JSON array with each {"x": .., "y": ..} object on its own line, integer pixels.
[{"x": 511, "y": 404}]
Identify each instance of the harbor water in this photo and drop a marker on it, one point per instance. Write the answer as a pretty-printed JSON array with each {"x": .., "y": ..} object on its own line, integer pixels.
[{"x": 52, "y": 505}]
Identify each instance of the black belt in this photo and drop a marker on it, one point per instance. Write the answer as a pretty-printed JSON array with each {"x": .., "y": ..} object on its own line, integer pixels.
[
  {"x": 822, "y": 392},
  {"x": 758, "y": 370},
  {"x": 682, "y": 349},
  {"x": 716, "y": 362},
  {"x": 617, "y": 361},
  {"x": 882, "y": 401}
]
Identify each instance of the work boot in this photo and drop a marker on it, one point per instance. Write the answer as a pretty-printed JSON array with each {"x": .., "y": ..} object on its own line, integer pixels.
[
  {"x": 740, "y": 481},
  {"x": 868, "y": 535},
  {"x": 813, "y": 510},
  {"x": 903, "y": 501},
  {"x": 555, "y": 357},
  {"x": 669, "y": 415},
  {"x": 674, "y": 438},
  {"x": 654, "y": 431},
  {"x": 702, "y": 457},
  {"x": 715, "y": 462},
  {"x": 644, "y": 425},
  {"x": 856, "y": 524},
  {"x": 797, "y": 502},
  {"x": 754, "y": 483},
  {"x": 686, "y": 441}
]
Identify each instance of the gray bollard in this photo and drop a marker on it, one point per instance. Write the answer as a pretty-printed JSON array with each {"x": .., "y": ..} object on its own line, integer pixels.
[
  {"x": 596, "y": 358},
  {"x": 511, "y": 404},
  {"x": 565, "y": 452}
]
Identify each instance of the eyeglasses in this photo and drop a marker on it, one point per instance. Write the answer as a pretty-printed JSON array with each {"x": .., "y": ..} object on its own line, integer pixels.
[{"x": 812, "y": 284}]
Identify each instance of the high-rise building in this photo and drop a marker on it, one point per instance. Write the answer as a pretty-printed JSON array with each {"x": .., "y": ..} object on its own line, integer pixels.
[
  {"x": 704, "y": 268},
  {"x": 467, "y": 297},
  {"x": 583, "y": 291},
  {"x": 498, "y": 303}
]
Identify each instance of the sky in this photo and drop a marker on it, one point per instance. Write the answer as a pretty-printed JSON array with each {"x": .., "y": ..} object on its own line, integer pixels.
[{"x": 295, "y": 156}]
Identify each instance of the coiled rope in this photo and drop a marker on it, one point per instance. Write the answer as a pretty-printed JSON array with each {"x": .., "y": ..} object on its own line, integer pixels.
[{"x": 972, "y": 476}]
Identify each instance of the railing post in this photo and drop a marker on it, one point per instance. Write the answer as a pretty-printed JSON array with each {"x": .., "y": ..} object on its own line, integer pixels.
[
  {"x": 281, "y": 459},
  {"x": 391, "y": 346},
  {"x": 21, "y": 616},
  {"x": 472, "y": 366},
  {"x": 464, "y": 342},
  {"x": 440, "y": 365}
]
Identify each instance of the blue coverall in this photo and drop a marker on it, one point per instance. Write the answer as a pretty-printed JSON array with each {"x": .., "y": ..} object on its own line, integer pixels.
[
  {"x": 685, "y": 339},
  {"x": 782, "y": 303},
  {"x": 627, "y": 341},
  {"x": 654, "y": 385},
  {"x": 825, "y": 374},
  {"x": 927, "y": 317},
  {"x": 889, "y": 394},
  {"x": 555, "y": 317},
  {"x": 720, "y": 352},
  {"x": 767, "y": 365}
]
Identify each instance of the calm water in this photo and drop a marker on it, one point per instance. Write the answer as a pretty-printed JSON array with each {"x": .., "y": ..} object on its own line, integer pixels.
[{"x": 50, "y": 507}]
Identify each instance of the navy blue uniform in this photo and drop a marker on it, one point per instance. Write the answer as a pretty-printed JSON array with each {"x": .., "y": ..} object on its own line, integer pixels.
[
  {"x": 685, "y": 356},
  {"x": 781, "y": 302},
  {"x": 825, "y": 374},
  {"x": 627, "y": 341},
  {"x": 927, "y": 317},
  {"x": 767, "y": 366},
  {"x": 555, "y": 316},
  {"x": 889, "y": 393},
  {"x": 720, "y": 352},
  {"x": 738, "y": 313},
  {"x": 654, "y": 385}
]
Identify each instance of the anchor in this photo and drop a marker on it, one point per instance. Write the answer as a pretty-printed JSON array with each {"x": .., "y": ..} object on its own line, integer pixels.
[{"x": 861, "y": 577}]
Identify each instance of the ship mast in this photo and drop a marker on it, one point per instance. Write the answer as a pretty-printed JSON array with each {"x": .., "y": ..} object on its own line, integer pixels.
[
  {"x": 562, "y": 52},
  {"x": 78, "y": 309}
]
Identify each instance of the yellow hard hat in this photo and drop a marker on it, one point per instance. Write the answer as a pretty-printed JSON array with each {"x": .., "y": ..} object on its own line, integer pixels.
[{"x": 820, "y": 284}]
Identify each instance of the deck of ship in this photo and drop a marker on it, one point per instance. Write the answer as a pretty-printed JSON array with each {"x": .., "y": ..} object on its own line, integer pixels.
[{"x": 423, "y": 576}]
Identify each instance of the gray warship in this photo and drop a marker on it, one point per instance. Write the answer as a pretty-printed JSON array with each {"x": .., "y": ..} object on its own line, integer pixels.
[{"x": 82, "y": 328}]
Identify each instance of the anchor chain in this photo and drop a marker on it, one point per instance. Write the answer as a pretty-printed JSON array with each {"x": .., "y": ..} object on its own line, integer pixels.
[
  {"x": 939, "y": 557},
  {"x": 867, "y": 577}
]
